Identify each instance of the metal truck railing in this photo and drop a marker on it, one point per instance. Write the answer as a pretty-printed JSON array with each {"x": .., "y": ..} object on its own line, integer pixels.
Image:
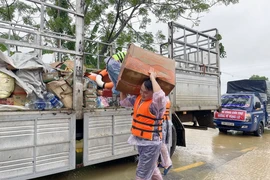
[
  {"x": 193, "y": 51},
  {"x": 40, "y": 143}
]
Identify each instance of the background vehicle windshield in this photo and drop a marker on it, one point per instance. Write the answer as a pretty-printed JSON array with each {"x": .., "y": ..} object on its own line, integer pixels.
[{"x": 242, "y": 101}]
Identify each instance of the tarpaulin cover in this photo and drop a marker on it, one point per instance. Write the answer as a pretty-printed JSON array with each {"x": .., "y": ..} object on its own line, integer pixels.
[
  {"x": 246, "y": 85},
  {"x": 29, "y": 69}
]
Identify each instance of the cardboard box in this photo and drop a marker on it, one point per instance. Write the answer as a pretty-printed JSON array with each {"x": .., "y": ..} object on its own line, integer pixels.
[
  {"x": 69, "y": 79},
  {"x": 135, "y": 68},
  {"x": 19, "y": 99},
  {"x": 19, "y": 96},
  {"x": 18, "y": 90},
  {"x": 7, "y": 101},
  {"x": 90, "y": 101},
  {"x": 90, "y": 92},
  {"x": 10, "y": 101},
  {"x": 63, "y": 91},
  {"x": 66, "y": 69},
  {"x": 48, "y": 77}
]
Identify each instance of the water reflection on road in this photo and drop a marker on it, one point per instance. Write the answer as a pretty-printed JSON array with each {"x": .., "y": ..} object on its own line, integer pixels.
[{"x": 217, "y": 150}]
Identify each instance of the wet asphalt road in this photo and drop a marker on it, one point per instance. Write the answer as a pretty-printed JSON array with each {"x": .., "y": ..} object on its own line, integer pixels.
[
  {"x": 209, "y": 155},
  {"x": 213, "y": 155}
]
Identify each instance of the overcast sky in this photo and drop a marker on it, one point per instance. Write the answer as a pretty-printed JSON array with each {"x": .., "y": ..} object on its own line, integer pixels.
[{"x": 245, "y": 29}]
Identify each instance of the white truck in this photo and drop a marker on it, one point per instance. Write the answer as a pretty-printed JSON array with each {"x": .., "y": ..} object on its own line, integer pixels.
[
  {"x": 39, "y": 143},
  {"x": 197, "y": 92}
]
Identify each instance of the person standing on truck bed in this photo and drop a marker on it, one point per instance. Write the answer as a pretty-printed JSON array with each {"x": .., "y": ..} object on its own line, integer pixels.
[
  {"x": 113, "y": 65},
  {"x": 146, "y": 130}
]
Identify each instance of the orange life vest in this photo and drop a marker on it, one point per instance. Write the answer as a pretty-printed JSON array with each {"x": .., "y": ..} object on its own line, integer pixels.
[
  {"x": 144, "y": 122},
  {"x": 166, "y": 115}
]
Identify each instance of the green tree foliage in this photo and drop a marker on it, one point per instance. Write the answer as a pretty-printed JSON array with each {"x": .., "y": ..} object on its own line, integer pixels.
[
  {"x": 116, "y": 18},
  {"x": 60, "y": 22},
  {"x": 15, "y": 11},
  {"x": 125, "y": 21},
  {"x": 222, "y": 52},
  {"x": 257, "y": 77},
  {"x": 113, "y": 21}
]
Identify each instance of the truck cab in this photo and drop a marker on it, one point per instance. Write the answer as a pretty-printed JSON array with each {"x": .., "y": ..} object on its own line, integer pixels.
[{"x": 244, "y": 111}]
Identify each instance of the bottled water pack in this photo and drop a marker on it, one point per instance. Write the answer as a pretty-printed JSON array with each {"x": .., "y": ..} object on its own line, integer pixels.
[
  {"x": 56, "y": 103},
  {"x": 50, "y": 101}
]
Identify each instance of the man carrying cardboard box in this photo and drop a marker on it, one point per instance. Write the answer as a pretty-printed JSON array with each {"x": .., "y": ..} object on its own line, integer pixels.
[
  {"x": 146, "y": 131},
  {"x": 139, "y": 64}
]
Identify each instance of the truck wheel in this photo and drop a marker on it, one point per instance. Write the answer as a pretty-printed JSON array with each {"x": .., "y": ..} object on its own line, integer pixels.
[
  {"x": 222, "y": 130},
  {"x": 259, "y": 131},
  {"x": 174, "y": 138}
]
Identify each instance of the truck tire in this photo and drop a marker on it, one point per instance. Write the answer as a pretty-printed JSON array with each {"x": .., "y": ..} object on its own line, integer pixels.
[
  {"x": 222, "y": 130},
  {"x": 174, "y": 138},
  {"x": 259, "y": 131}
]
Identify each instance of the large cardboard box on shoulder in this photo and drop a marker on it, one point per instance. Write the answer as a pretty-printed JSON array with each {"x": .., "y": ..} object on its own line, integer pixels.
[{"x": 136, "y": 66}]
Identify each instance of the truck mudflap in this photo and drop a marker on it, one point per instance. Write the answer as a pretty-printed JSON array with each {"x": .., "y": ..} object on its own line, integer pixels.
[
  {"x": 106, "y": 134},
  {"x": 35, "y": 144}
]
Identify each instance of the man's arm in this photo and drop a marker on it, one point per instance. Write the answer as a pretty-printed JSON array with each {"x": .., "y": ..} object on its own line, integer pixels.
[
  {"x": 159, "y": 100},
  {"x": 153, "y": 76}
]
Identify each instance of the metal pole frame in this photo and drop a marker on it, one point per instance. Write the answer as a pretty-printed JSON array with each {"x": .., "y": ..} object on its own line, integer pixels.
[{"x": 79, "y": 61}]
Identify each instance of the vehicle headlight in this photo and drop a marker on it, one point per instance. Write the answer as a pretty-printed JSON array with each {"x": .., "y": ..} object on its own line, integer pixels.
[{"x": 248, "y": 117}]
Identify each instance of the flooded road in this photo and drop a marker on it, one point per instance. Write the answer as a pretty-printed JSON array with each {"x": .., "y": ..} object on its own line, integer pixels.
[
  {"x": 213, "y": 155},
  {"x": 208, "y": 155}
]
